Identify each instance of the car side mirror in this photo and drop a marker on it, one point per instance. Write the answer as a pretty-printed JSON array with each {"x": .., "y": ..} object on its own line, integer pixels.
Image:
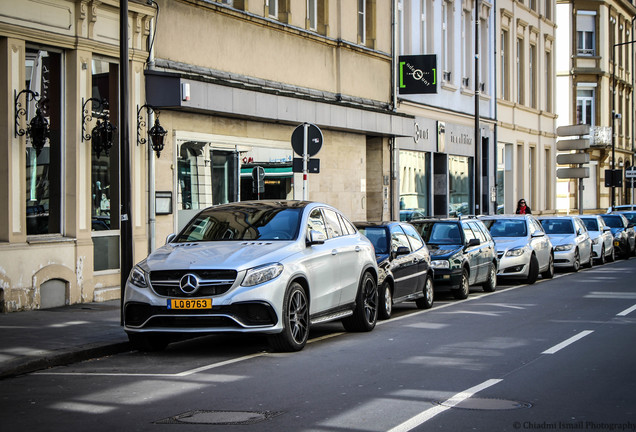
[
  {"x": 538, "y": 234},
  {"x": 170, "y": 237},
  {"x": 316, "y": 237},
  {"x": 606, "y": 229},
  {"x": 474, "y": 242},
  {"x": 401, "y": 250}
]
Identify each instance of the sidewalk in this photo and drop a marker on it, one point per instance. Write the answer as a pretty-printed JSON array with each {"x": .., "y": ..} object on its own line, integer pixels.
[{"x": 39, "y": 339}]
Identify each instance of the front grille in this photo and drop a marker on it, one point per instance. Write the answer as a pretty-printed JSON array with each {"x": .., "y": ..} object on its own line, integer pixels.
[
  {"x": 211, "y": 282},
  {"x": 249, "y": 314}
]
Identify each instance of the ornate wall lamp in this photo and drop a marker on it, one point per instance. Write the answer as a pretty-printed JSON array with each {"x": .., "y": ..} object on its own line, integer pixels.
[
  {"x": 38, "y": 129},
  {"x": 156, "y": 133},
  {"x": 102, "y": 133}
]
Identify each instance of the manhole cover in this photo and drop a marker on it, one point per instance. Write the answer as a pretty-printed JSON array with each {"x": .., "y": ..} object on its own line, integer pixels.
[
  {"x": 220, "y": 417},
  {"x": 486, "y": 404}
]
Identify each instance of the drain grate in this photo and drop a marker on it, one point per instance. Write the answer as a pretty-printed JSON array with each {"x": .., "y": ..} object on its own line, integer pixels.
[
  {"x": 220, "y": 417},
  {"x": 487, "y": 404}
]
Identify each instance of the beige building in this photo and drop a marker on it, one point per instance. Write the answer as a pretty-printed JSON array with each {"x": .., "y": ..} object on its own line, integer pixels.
[
  {"x": 596, "y": 61},
  {"x": 228, "y": 80},
  {"x": 526, "y": 110}
]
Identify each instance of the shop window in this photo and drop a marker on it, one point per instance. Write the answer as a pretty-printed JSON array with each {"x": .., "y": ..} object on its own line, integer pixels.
[
  {"x": 43, "y": 171},
  {"x": 414, "y": 181},
  {"x": 459, "y": 185},
  {"x": 104, "y": 167}
]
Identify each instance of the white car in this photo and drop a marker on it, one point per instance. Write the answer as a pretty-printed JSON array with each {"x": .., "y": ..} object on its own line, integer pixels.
[
  {"x": 523, "y": 249},
  {"x": 602, "y": 238},
  {"x": 273, "y": 267},
  {"x": 572, "y": 243}
]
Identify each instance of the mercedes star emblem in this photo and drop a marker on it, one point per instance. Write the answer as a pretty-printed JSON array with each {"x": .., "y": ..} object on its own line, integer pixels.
[{"x": 189, "y": 283}]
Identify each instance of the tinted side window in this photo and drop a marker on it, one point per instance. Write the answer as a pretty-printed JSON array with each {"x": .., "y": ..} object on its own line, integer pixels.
[
  {"x": 316, "y": 222},
  {"x": 347, "y": 226},
  {"x": 414, "y": 237},
  {"x": 478, "y": 234},
  {"x": 333, "y": 224},
  {"x": 468, "y": 233},
  {"x": 398, "y": 239}
]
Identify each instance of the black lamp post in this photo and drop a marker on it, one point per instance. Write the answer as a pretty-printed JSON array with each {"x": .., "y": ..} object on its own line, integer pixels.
[
  {"x": 102, "y": 133},
  {"x": 156, "y": 133},
  {"x": 38, "y": 129}
]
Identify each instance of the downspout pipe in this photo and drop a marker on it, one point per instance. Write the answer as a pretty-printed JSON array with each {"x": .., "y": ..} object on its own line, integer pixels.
[
  {"x": 152, "y": 216},
  {"x": 477, "y": 174}
]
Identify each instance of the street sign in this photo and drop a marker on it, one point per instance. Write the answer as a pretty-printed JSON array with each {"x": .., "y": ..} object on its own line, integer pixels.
[
  {"x": 613, "y": 178},
  {"x": 572, "y": 158},
  {"x": 573, "y": 172},
  {"x": 630, "y": 173},
  {"x": 314, "y": 139},
  {"x": 417, "y": 74},
  {"x": 581, "y": 129},
  {"x": 313, "y": 166},
  {"x": 573, "y": 144}
]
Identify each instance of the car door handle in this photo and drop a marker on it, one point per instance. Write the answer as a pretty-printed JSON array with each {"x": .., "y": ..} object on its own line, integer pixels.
[
  {"x": 358, "y": 248},
  {"x": 334, "y": 252}
]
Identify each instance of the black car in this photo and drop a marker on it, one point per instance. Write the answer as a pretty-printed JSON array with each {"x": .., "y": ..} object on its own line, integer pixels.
[
  {"x": 404, "y": 265},
  {"x": 623, "y": 232},
  {"x": 462, "y": 254}
]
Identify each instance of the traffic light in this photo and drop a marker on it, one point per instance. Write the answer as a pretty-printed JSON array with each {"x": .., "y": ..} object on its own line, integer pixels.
[{"x": 258, "y": 178}]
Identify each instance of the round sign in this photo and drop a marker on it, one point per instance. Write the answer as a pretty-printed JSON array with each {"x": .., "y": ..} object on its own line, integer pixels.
[{"x": 314, "y": 139}]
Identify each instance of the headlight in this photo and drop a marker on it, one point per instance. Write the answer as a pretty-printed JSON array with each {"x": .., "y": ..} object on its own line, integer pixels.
[
  {"x": 515, "y": 252},
  {"x": 563, "y": 247},
  {"x": 138, "y": 277},
  {"x": 262, "y": 274},
  {"x": 441, "y": 264}
]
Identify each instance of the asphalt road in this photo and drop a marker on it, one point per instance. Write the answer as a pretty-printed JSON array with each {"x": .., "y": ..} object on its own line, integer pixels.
[{"x": 557, "y": 355}]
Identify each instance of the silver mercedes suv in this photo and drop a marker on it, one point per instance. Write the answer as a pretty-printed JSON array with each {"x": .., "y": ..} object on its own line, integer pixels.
[{"x": 273, "y": 267}]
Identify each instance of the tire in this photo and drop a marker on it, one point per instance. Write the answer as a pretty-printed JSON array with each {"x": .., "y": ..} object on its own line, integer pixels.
[
  {"x": 549, "y": 273},
  {"x": 463, "y": 291},
  {"x": 148, "y": 342},
  {"x": 590, "y": 263},
  {"x": 601, "y": 259},
  {"x": 533, "y": 271},
  {"x": 577, "y": 261},
  {"x": 295, "y": 321},
  {"x": 426, "y": 302},
  {"x": 385, "y": 301},
  {"x": 491, "y": 283},
  {"x": 612, "y": 256},
  {"x": 365, "y": 314}
]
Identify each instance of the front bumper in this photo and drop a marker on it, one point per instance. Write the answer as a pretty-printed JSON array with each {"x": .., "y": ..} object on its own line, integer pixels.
[
  {"x": 564, "y": 258},
  {"x": 513, "y": 266},
  {"x": 446, "y": 279},
  {"x": 241, "y": 309}
]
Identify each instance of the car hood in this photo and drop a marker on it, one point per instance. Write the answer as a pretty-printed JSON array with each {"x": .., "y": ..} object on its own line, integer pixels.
[
  {"x": 616, "y": 231},
  {"x": 560, "y": 239},
  {"x": 505, "y": 243},
  {"x": 236, "y": 255},
  {"x": 442, "y": 251}
]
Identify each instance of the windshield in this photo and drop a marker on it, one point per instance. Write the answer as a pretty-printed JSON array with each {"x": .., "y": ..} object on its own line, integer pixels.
[
  {"x": 590, "y": 224},
  {"x": 557, "y": 226},
  {"x": 440, "y": 232},
  {"x": 506, "y": 227},
  {"x": 378, "y": 237},
  {"x": 243, "y": 223},
  {"x": 631, "y": 217},
  {"x": 613, "y": 221}
]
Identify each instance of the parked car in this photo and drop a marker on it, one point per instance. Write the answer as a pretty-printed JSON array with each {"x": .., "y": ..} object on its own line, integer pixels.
[
  {"x": 623, "y": 231},
  {"x": 273, "y": 267},
  {"x": 407, "y": 215},
  {"x": 571, "y": 241},
  {"x": 462, "y": 254},
  {"x": 523, "y": 249},
  {"x": 622, "y": 207},
  {"x": 602, "y": 238},
  {"x": 629, "y": 214},
  {"x": 404, "y": 265}
]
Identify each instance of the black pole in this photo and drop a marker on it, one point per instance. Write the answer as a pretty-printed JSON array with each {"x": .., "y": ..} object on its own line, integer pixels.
[
  {"x": 478, "y": 179},
  {"x": 124, "y": 154},
  {"x": 613, "y": 129}
]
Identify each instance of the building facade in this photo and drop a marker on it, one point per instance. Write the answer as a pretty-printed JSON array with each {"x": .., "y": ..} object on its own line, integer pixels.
[
  {"x": 595, "y": 77},
  {"x": 526, "y": 110},
  {"x": 59, "y": 229},
  {"x": 440, "y": 162}
]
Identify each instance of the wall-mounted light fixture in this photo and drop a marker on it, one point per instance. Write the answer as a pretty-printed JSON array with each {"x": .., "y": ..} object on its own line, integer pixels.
[
  {"x": 38, "y": 129},
  {"x": 102, "y": 133},
  {"x": 156, "y": 134}
]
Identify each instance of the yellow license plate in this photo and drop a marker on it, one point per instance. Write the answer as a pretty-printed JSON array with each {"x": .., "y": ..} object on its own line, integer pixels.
[
  {"x": 189, "y": 303},
  {"x": 617, "y": 243}
]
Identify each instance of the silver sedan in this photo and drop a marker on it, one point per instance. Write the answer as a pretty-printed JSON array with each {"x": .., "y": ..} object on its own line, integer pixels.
[
  {"x": 572, "y": 243},
  {"x": 602, "y": 238},
  {"x": 261, "y": 266},
  {"x": 523, "y": 249}
]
